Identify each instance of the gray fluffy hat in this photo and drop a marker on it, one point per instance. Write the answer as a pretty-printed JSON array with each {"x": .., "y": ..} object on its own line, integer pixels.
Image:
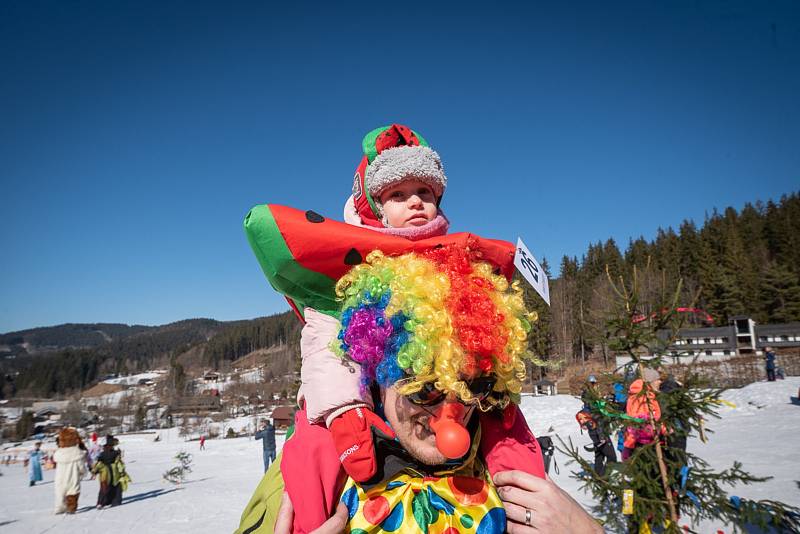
[{"x": 397, "y": 164}]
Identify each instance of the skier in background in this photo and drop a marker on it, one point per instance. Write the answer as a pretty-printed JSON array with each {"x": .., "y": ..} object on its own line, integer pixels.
[{"x": 202, "y": 443}]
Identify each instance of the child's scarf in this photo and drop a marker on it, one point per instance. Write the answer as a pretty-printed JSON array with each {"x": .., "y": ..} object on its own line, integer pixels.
[{"x": 437, "y": 227}]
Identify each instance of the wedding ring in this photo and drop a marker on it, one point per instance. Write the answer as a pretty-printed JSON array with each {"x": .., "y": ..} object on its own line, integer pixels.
[{"x": 528, "y": 514}]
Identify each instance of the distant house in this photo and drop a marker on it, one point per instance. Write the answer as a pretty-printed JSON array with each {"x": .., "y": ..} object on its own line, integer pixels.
[
  {"x": 51, "y": 406},
  {"x": 211, "y": 376},
  {"x": 196, "y": 404},
  {"x": 283, "y": 416},
  {"x": 778, "y": 335},
  {"x": 741, "y": 337}
]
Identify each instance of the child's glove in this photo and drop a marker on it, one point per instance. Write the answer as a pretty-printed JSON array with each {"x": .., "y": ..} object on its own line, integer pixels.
[{"x": 352, "y": 435}]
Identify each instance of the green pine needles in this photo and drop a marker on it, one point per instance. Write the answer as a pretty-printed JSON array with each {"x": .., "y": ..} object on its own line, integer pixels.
[{"x": 671, "y": 486}]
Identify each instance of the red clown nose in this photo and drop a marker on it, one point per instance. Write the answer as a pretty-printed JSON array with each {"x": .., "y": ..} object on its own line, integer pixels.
[{"x": 452, "y": 439}]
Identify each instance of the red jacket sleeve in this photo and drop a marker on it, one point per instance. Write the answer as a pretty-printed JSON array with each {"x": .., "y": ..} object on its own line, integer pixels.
[{"x": 312, "y": 474}]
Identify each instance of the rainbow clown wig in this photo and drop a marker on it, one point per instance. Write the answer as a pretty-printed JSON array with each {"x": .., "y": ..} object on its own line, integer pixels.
[{"x": 437, "y": 317}]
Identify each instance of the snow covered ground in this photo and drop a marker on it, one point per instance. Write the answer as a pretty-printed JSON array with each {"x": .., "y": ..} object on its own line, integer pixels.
[
  {"x": 250, "y": 376},
  {"x": 761, "y": 431}
]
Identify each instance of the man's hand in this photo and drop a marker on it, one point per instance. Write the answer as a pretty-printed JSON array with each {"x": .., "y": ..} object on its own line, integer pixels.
[
  {"x": 285, "y": 518},
  {"x": 352, "y": 435},
  {"x": 547, "y": 508}
]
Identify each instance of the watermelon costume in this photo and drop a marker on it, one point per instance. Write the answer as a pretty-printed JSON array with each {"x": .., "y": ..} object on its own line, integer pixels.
[{"x": 302, "y": 253}]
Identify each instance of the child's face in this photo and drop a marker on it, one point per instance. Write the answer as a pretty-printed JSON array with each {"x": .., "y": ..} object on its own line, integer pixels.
[{"x": 409, "y": 203}]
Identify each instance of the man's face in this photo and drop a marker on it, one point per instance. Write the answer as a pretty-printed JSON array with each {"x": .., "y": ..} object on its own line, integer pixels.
[{"x": 411, "y": 424}]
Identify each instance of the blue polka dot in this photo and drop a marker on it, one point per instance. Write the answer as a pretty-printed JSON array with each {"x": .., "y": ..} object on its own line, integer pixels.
[
  {"x": 394, "y": 484},
  {"x": 439, "y": 503},
  {"x": 393, "y": 520},
  {"x": 350, "y": 499},
  {"x": 494, "y": 522}
]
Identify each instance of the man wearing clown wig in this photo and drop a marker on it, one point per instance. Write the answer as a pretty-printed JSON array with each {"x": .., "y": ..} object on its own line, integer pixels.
[{"x": 440, "y": 340}]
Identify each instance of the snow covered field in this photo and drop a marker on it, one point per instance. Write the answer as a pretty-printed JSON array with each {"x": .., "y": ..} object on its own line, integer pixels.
[{"x": 762, "y": 432}]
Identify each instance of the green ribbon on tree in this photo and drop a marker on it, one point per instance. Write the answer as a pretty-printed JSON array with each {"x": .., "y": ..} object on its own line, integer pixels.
[{"x": 601, "y": 407}]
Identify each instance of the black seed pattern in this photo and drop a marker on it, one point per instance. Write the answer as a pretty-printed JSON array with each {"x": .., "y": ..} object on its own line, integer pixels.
[
  {"x": 353, "y": 257},
  {"x": 314, "y": 217}
]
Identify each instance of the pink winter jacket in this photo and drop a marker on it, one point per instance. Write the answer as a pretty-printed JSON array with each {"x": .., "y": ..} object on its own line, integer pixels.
[{"x": 329, "y": 385}]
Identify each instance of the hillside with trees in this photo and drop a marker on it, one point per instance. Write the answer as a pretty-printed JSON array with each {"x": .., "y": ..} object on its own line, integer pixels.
[
  {"x": 66, "y": 336},
  {"x": 198, "y": 342}
]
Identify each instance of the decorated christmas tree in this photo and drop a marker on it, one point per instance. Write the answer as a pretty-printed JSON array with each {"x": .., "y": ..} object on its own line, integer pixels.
[{"x": 660, "y": 486}]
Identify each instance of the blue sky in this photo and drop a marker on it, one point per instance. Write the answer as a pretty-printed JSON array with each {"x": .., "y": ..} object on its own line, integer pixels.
[{"x": 136, "y": 136}]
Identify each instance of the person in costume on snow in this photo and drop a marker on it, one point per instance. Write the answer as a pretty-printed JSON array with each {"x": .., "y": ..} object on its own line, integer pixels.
[
  {"x": 70, "y": 459},
  {"x": 397, "y": 190},
  {"x": 34, "y": 464},
  {"x": 94, "y": 449},
  {"x": 441, "y": 343},
  {"x": 642, "y": 404},
  {"x": 111, "y": 473}
]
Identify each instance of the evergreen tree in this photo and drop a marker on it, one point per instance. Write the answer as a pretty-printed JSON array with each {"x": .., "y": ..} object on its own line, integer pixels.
[
  {"x": 563, "y": 298},
  {"x": 24, "y": 426},
  {"x": 780, "y": 293},
  {"x": 540, "y": 340},
  {"x": 778, "y": 233},
  {"x": 637, "y": 253},
  {"x": 177, "y": 377},
  {"x": 140, "y": 418},
  {"x": 666, "y": 482}
]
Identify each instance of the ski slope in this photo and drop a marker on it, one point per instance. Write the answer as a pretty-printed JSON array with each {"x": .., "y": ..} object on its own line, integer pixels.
[{"x": 762, "y": 431}]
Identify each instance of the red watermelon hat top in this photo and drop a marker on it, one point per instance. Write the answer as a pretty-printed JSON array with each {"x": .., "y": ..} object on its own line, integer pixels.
[{"x": 393, "y": 154}]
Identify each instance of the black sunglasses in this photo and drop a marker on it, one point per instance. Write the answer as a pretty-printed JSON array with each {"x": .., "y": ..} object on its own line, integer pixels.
[{"x": 481, "y": 389}]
